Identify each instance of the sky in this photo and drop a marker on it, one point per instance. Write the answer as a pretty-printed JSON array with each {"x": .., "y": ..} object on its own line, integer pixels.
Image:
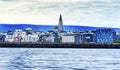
[{"x": 100, "y": 13}]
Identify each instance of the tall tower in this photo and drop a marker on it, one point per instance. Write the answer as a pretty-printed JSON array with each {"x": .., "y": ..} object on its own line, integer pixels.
[{"x": 60, "y": 25}]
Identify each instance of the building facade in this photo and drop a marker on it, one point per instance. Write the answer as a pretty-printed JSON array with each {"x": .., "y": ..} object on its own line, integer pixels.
[
  {"x": 104, "y": 36},
  {"x": 70, "y": 38},
  {"x": 2, "y": 38},
  {"x": 60, "y": 25},
  {"x": 88, "y": 37}
]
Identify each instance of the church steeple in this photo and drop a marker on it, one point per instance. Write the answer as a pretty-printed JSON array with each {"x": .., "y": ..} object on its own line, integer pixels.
[
  {"x": 60, "y": 25},
  {"x": 60, "y": 19}
]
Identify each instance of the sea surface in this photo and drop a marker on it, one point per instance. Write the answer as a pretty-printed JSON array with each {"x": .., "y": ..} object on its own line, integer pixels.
[{"x": 59, "y": 59}]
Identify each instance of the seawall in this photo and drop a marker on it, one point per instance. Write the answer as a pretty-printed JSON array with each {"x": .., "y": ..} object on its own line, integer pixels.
[{"x": 56, "y": 45}]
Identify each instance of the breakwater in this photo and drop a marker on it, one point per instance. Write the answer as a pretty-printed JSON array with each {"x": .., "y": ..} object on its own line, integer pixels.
[{"x": 57, "y": 45}]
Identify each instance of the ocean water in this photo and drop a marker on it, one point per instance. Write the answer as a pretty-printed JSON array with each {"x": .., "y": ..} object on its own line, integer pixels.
[{"x": 59, "y": 59}]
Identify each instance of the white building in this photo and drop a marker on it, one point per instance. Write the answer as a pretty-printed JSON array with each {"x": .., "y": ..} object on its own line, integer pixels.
[
  {"x": 19, "y": 32},
  {"x": 87, "y": 37},
  {"x": 70, "y": 39},
  {"x": 117, "y": 33},
  {"x": 9, "y": 38},
  {"x": 25, "y": 38},
  {"x": 50, "y": 39},
  {"x": 30, "y": 38}
]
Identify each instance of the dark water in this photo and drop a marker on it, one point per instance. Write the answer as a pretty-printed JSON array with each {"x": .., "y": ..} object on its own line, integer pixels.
[{"x": 59, "y": 59}]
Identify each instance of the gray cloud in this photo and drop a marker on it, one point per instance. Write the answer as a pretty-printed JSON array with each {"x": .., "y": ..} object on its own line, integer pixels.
[
  {"x": 96, "y": 13},
  {"x": 45, "y": 0}
]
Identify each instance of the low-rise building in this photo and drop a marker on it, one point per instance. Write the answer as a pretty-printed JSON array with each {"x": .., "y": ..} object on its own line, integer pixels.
[
  {"x": 9, "y": 38},
  {"x": 50, "y": 39},
  {"x": 2, "y": 38},
  {"x": 72, "y": 38},
  {"x": 104, "y": 36},
  {"x": 30, "y": 38},
  {"x": 87, "y": 37},
  {"x": 117, "y": 36}
]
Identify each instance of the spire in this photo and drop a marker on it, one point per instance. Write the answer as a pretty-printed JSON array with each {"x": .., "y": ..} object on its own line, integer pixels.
[
  {"x": 60, "y": 25},
  {"x": 60, "y": 19}
]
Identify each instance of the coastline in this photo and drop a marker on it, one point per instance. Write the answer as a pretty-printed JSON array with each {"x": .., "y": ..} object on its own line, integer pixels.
[{"x": 57, "y": 45}]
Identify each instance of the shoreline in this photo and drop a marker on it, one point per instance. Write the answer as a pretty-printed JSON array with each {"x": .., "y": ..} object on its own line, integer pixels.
[{"x": 57, "y": 45}]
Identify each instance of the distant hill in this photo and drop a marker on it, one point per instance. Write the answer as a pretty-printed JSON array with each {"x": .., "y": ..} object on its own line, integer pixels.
[{"x": 6, "y": 27}]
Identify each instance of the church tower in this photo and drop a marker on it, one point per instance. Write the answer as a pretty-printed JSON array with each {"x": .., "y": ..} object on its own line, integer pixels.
[{"x": 60, "y": 25}]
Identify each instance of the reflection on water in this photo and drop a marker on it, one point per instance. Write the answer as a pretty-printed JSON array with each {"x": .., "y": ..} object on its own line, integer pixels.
[{"x": 59, "y": 59}]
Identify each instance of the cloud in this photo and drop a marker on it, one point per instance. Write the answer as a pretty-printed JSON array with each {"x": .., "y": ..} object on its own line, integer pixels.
[
  {"x": 46, "y": 0},
  {"x": 85, "y": 12}
]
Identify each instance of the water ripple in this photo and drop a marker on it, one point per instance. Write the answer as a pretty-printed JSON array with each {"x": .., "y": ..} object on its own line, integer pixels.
[{"x": 55, "y": 59}]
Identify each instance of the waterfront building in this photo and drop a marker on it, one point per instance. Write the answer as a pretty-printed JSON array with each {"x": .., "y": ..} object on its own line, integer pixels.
[
  {"x": 29, "y": 31},
  {"x": 56, "y": 37},
  {"x": 60, "y": 25},
  {"x": 70, "y": 38},
  {"x": 18, "y": 35},
  {"x": 19, "y": 38},
  {"x": 19, "y": 32},
  {"x": 50, "y": 39},
  {"x": 43, "y": 38},
  {"x": 62, "y": 33},
  {"x": 56, "y": 29},
  {"x": 104, "y": 36},
  {"x": 87, "y": 37},
  {"x": 39, "y": 38},
  {"x": 9, "y": 38},
  {"x": 30, "y": 38},
  {"x": 117, "y": 36},
  {"x": 2, "y": 38}
]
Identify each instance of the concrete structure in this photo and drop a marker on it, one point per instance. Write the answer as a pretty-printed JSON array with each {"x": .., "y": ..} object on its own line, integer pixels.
[
  {"x": 18, "y": 35},
  {"x": 19, "y": 32},
  {"x": 87, "y": 37},
  {"x": 2, "y": 38},
  {"x": 104, "y": 36},
  {"x": 60, "y": 25},
  {"x": 117, "y": 36},
  {"x": 29, "y": 31},
  {"x": 50, "y": 39},
  {"x": 9, "y": 36},
  {"x": 70, "y": 38},
  {"x": 30, "y": 38},
  {"x": 56, "y": 29}
]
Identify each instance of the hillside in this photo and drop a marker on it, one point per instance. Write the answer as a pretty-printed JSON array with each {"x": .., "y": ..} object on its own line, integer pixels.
[{"x": 6, "y": 27}]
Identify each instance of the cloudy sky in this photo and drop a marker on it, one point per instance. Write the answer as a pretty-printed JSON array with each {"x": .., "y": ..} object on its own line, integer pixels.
[{"x": 100, "y": 13}]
